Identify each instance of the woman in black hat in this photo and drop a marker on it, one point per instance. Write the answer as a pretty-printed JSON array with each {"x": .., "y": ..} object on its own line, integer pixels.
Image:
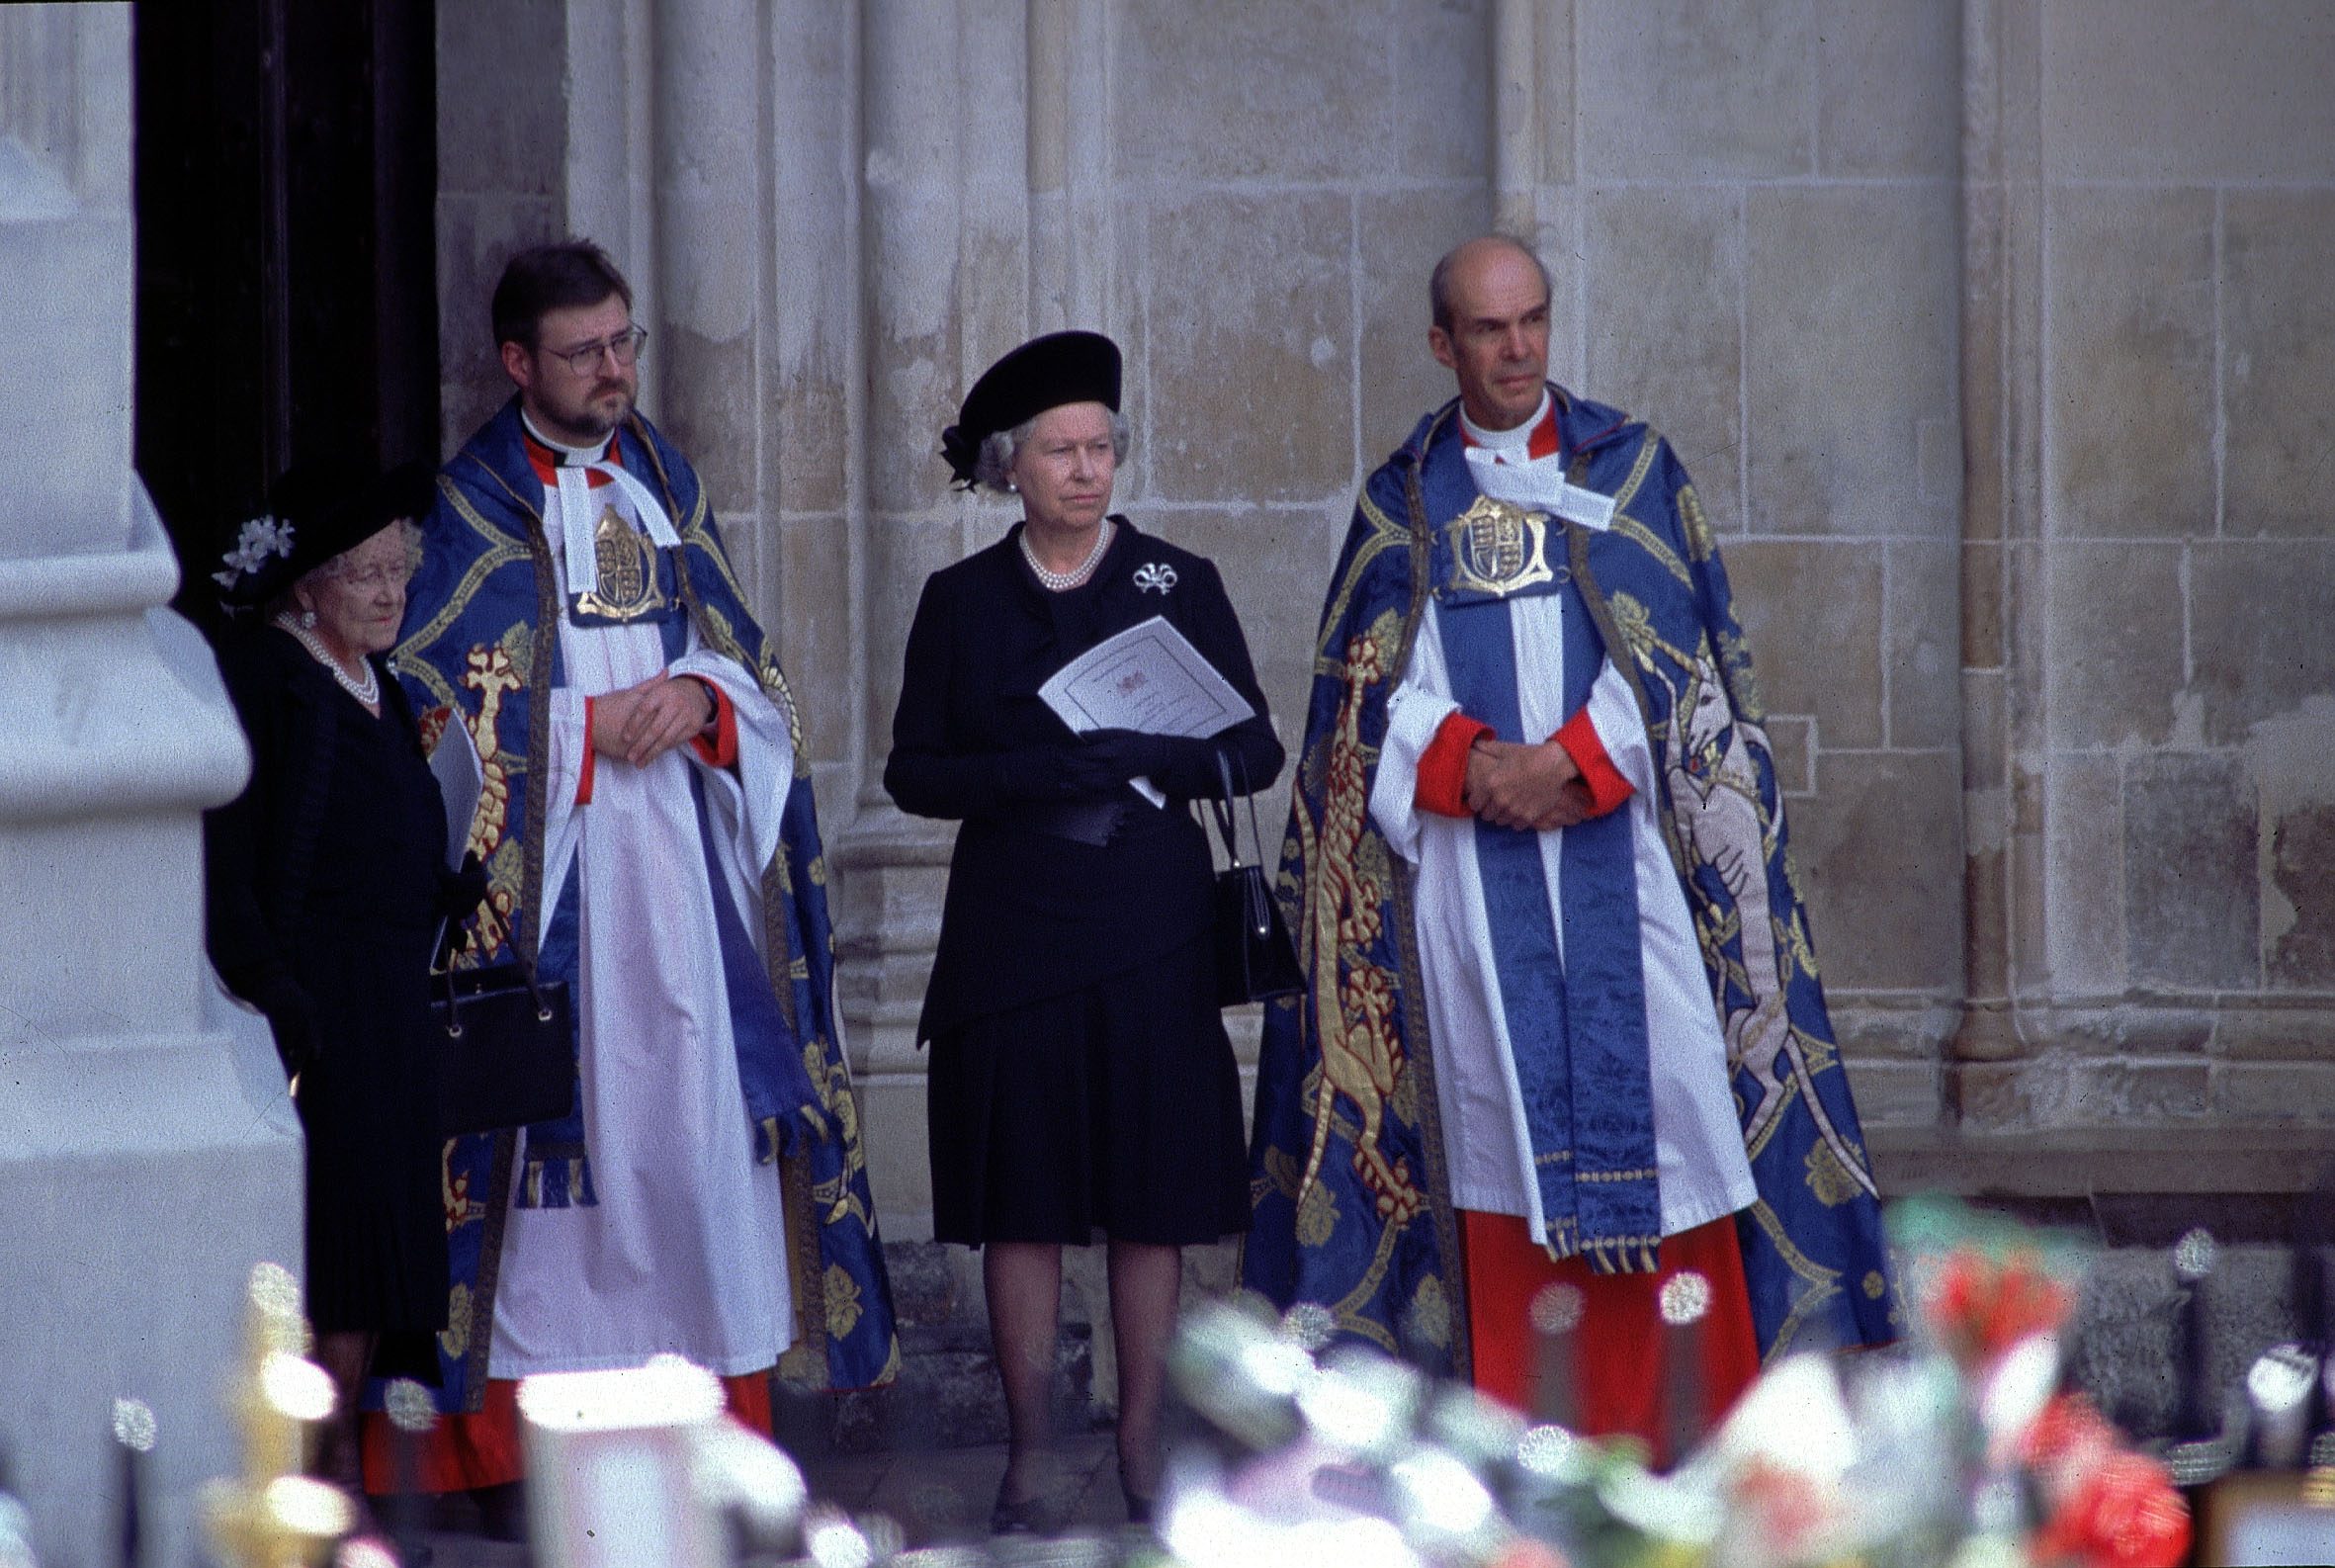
[
  {"x": 324, "y": 894},
  {"x": 1081, "y": 1079}
]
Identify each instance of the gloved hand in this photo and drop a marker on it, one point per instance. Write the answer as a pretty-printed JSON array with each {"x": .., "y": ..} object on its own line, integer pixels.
[
  {"x": 462, "y": 891},
  {"x": 1118, "y": 755},
  {"x": 1046, "y": 775},
  {"x": 459, "y": 893},
  {"x": 1177, "y": 765}
]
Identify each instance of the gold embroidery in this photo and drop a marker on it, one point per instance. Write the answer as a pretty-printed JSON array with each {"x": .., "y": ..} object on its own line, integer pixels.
[
  {"x": 1699, "y": 542},
  {"x": 842, "y": 1294},
  {"x": 627, "y": 566},
  {"x": 455, "y": 1338},
  {"x": 1316, "y": 1217},
  {"x": 1639, "y": 468},
  {"x": 1874, "y": 1286},
  {"x": 1497, "y": 548},
  {"x": 1361, "y": 1058},
  {"x": 454, "y": 1191},
  {"x": 1828, "y": 1178},
  {"x": 1820, "y": 1285},
  {"x": 1385, "y": 534},
  {"x": 1647, "y": 540}
]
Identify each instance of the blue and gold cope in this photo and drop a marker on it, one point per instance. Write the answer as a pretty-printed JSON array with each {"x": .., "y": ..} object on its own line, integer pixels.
[
  {"x": 480, "y": 642},
  {"x": 1348, "y": 1178}
]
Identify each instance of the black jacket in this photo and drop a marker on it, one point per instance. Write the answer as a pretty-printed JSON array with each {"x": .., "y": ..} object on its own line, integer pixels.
[{"x": 1030, "y": 913}]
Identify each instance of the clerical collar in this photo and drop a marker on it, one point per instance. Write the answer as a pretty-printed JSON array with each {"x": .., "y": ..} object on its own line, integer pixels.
[
  {"x": 1537, "y": 437},
  {"x": 558, "y": 453}
]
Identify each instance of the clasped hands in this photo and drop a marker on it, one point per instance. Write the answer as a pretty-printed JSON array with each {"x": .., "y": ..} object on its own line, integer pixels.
[
  {"x": 1527, "y": 787},
  {"x": 639, "y": 724}
]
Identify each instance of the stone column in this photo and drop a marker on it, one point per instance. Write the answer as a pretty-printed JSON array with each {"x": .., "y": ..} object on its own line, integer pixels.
[
  {"x": 609, "y": 178},
  {"x": 814, "y": 389},
  {"x": 924, "y": 275},
  {"x": 1517, "y": 114},
  {"x": 147, "y": 1154},
  {"x": 504, "y": 174},
  {"x": 710, "y": 245},
  {"x": 1070, "y": 239},
  {"x": 2001, "y": 707}
]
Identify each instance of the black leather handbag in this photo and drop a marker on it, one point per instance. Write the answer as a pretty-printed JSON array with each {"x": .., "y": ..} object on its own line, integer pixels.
[
  {"x": 507, "y": 1054},
  {"x": 1255, "y": 961}
]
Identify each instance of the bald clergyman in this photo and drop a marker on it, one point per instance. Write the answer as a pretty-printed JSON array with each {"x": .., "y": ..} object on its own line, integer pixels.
[{"x": 1565, "y": 1024}]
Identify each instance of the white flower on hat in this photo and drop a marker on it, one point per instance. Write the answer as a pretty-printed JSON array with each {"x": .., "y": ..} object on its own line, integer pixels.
[{"x": 258, "y": 539}]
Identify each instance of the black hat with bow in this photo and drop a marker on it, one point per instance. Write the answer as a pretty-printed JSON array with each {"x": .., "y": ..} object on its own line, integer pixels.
[{"x": 1044, "y": 373}]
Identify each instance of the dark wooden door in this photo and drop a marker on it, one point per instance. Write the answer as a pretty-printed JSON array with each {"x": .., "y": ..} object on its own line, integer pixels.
[{"x": 287, "y": 305}]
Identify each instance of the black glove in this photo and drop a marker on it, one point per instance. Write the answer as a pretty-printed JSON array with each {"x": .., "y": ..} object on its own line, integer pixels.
[
  {"x": 292, "y": 1019},
  {"x": 1043, "y": 774},
  {"x": 459, "y": 893},
  {"x": 1176, "y": 764},
  {"x": 1117, "y": 756},
  {"x": 462, "y": 891}
]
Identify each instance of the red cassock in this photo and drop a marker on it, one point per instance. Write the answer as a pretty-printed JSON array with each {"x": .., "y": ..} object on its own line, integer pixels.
[{"x": 1617, "y": 1353}]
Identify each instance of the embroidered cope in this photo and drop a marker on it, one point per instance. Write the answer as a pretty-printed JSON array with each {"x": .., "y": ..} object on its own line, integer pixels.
[
  {"x": 708, "y": 1194},
  {"x": 1417, "y": 1075}
]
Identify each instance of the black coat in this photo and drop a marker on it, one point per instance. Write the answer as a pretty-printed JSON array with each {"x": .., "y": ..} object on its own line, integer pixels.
[
  {"x": 1032, "y": 914},
  {"x": 323, "y": 894}
]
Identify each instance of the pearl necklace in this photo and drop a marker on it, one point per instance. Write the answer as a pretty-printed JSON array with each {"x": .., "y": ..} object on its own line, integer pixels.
[
  {"x": 1060, "y": 581},
  {"x": 366, "y": 691}
]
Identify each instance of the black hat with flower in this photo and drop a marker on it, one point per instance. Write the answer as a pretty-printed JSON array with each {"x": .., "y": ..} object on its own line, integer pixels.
[{"x": 315, "y": 512}]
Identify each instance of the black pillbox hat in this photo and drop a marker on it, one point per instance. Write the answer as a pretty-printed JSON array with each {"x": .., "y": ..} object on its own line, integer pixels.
[{"x": 1044, "y": 373}]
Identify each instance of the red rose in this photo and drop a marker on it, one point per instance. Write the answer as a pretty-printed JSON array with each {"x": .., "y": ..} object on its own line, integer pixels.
[
  {"x": 2067, "y": 1439},
  {"x": 2122, "y": 1513}
]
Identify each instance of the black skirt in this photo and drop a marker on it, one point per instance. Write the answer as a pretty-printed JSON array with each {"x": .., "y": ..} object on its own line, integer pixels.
[
  {"x": 376, "y": 1209},
  {"x": 1113, "y": 1109}
]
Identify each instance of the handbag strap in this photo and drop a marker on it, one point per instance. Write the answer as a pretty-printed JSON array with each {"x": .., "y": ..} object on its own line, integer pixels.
[
  {"x": 526, "y": 962},
  {"x": 1221, "y": 807}
]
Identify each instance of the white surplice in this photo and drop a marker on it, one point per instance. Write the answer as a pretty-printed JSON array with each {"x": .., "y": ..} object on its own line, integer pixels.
[
  {"x": 1705, "y": 1173},
  {"x": 685, "y": 1252}
]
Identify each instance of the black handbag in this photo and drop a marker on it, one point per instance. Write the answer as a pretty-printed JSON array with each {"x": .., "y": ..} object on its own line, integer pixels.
[
  {"x": 1255, "y": 961},
  {"x": 507, "y": 1054}
]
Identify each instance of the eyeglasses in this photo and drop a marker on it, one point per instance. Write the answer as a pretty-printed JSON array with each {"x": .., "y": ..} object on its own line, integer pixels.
[
  {"x": 584, "y": 360},
  {"x": 373, "y": 578}
]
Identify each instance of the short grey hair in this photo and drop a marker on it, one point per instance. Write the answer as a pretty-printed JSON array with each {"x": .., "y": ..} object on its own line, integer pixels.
[
  {"x": 993, "y": 467},
  {"x": 410, "y": 535}
]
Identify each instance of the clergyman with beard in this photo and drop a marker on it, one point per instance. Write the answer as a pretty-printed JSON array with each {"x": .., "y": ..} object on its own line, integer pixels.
[{"x": 647, "y": 827}]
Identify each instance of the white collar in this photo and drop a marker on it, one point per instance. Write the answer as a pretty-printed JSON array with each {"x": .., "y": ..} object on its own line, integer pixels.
[
  {"x": 1515, "y": 439},
  {"x": 580, "y": 516},
  {"x": 569, "y": 457}
]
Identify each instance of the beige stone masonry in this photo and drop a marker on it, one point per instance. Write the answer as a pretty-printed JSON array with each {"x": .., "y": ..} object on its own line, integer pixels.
[{"x": 1993, "y": 332}]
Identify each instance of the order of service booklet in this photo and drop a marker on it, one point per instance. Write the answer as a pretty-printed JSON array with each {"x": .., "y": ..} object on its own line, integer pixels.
[{"x": 1148, "y": 679}]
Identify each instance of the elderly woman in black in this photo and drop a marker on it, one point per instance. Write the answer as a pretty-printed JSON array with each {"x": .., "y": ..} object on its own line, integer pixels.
[
  {"x": 1080, "y": 1078},
  {"x": 324, "y": 894}
]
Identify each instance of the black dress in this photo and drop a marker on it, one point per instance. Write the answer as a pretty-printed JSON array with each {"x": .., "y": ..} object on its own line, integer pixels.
[
  {"x": 1081, "y": 1077},
  {"x": 324, "y": 899}
]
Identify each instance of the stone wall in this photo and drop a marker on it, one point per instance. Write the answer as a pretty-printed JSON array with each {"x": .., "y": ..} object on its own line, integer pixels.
[
  {"x": 1989, "y": 328},
  {"x": 2149, "y": 203}
]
